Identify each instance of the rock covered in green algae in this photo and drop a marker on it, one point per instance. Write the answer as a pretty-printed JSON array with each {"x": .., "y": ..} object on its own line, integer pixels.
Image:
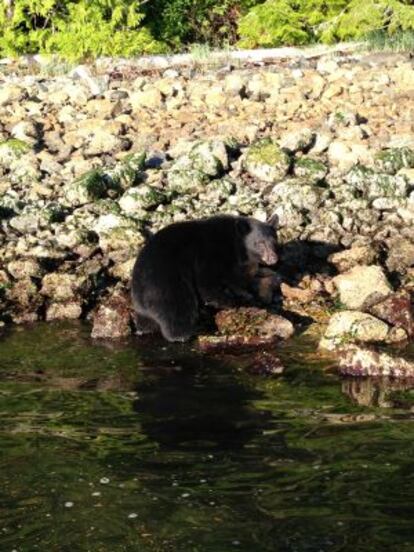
[
  {"x": 392, "y": 160},
  {"x": 310, "y": 169},
  {"x": 118, "y": 232},
  {"x": 191, "y": 171},
  {"x": 266, "y": 161},
  {"x": 361, "y": 361},
  {"x": 89, "y": 187},
  {"x": 375, "y": 185},
  {"x": 137, "y": 200}
]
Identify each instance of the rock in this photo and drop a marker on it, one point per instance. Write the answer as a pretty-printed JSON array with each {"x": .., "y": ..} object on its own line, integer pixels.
[
  {"x": 112, "y": 318},
  {"x": 70, "y": 310},
  {"x": 397, "y": 310},
  {"x": 96, "y": 137},
  {"x": 353, "y": 326},
  {"x": 137, "y": 200},
  {"x": 392, "y": 160},
  {"x": 10, "y": 94},
  {"x": 350, "y": 258},
  {"x": 266, "y": 162},
  {"x": 24, "y": 295},
  {"x": 322, "y": 142},
  {"x": 309, "y": 169},
  {"x": 145, "y": 99},
  {"x": 252, "y": 321},
  {"x": 96, "y": 85},
  {"x": 377, "y": 185},
  {"x": 298, "y": 294},
  {"x": 60, "y": 287},
  {"x": 263, "y": 85},
  {"x": 400, "y": 255},
  {"x": 340, "y": 155},
  {"x": 117, "y": 232},
  {"x": 359, "y": 361},
  {"x": 192, "y": 171},
  {"x": 362, "y": 286},
  {"x": 87, "y": 188},
  {"x": 298, "y": 140},
  {"x": 265, "y": 364},
  {"x": 378, "y": 392},
  {"x": 24, "y": 268}
]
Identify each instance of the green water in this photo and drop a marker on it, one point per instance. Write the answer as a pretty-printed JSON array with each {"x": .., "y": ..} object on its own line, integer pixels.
[{"x": 146, "y": 447}]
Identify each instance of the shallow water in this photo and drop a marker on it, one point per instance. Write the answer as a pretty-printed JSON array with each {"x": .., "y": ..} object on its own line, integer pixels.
[{"x": 146, "y": 447}]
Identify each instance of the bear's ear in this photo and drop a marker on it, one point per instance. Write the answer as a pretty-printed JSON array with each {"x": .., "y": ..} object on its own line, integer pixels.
[
  {"x": 243, "y": 226},
  {"x": 274, "y": 221}
]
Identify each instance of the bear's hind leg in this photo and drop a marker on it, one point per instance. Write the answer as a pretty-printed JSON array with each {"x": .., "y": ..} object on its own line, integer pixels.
[{"x": 144, "y": 325}]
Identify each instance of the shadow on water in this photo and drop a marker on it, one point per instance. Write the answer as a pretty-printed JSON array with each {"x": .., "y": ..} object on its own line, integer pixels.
[{"x": 154, "y": 447}]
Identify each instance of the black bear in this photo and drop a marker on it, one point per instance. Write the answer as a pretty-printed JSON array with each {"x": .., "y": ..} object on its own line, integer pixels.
[{"x": 212, "y": 261}]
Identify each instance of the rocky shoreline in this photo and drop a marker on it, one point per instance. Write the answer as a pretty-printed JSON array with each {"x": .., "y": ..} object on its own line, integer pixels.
[{"x": 92, "y": 161}]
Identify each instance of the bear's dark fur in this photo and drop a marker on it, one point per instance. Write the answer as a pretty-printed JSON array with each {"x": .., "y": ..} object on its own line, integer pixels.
[{"x": 187, "y": 265}]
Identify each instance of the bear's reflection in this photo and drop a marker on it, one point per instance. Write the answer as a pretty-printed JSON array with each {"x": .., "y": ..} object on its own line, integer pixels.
[{"x": 199, "y": 404}]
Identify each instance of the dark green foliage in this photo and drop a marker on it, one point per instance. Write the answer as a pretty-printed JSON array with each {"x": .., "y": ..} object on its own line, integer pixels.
[{"x": 189, "y": 21}]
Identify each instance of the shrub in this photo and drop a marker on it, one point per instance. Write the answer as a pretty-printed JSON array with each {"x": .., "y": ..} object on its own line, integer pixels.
[
  {"x": 286, "y": 22},
  {"x": 75, "y": 29},
  {"x": 196, "y": 21},
  {"x": 370, "y": 18}
]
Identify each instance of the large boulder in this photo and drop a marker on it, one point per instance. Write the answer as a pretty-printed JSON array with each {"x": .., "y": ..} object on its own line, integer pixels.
[
  {"x": 350, "y": 258},
  {"x": 362, "y": 287},
  {"x": 352, "y": 326}
]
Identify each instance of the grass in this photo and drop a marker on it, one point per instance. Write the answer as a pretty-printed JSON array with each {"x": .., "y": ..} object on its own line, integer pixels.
[{"x": 400, "y": 41}]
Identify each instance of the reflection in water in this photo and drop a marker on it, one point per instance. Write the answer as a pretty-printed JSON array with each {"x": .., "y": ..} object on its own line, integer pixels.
[
  {"x": 200, "y": 406},
  {"x": 154, "y": 447},
  {"x": 376, "y": 391}
]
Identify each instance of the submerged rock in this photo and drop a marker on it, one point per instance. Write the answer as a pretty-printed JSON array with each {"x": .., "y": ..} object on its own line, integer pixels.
[
  {"x": 359, "y": 361},
  {"x": 112, "y": 318},
  {"x": 362, "y": 287}
]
